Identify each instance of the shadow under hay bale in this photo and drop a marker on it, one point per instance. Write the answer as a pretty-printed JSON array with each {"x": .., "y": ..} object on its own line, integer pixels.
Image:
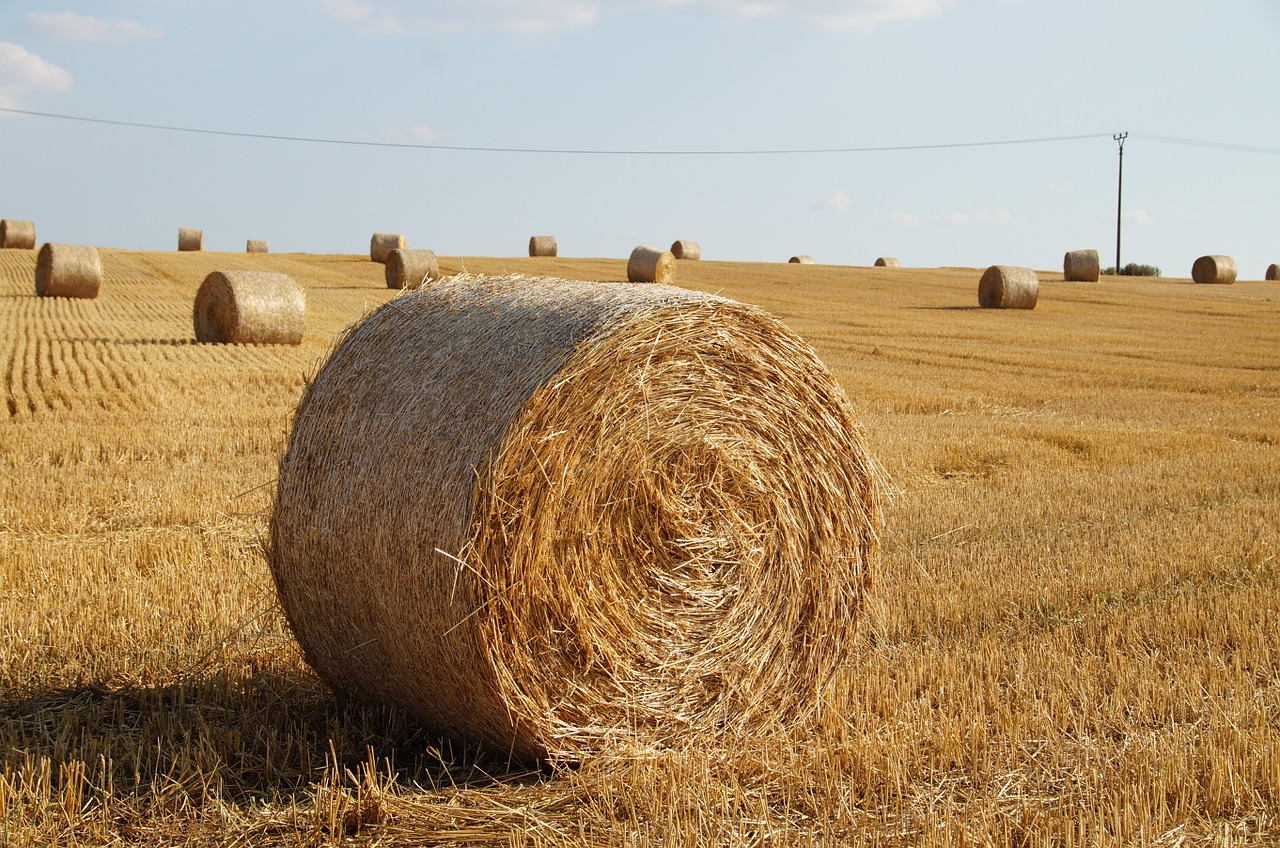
[
  {"x": 552, "y": 518},
  {"x": 1214, "y": 269},
  {"x": 190, "y": 240},
  {"x": 17, "y": 235},
  {"x": 685, "y": 249},
  {"x": 543, "y": 246},
  {"x": 801, "y": 260},
  {"x": 1008, "y": 287},
  {"x": 887, "y": 262},
  {"x": 256, "y": 246},
  {"x": 1081, "y": 266},
  {"x": 648, "y": 265},
  {"x": 381, "y": 245},
  {"x": 249, "y": 307},
  {"x": 68, "y": 270},
  {"x": 409, "y": 269}
]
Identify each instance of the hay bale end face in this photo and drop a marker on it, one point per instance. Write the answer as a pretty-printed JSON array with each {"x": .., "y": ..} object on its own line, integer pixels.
[
  {"x": 68, "y": 270},
  {"x": 1008, "y": 287},
  {"x": 381, "y": 245},
  {"x": 648, "y": 265},
  {"x": 543, "y": 246},
  {"x": 800, "y": 260},
  {"x": 1081, "y": 266},
  {"x": 1214, "y": 269},
  {"x": 1273, "y": 272},
  {"x": 409, "y": 269},
  {"x": 249, "y": 307},
  {"x": 17, "y": 235},
  {"x": 568, "y": 550},
  {"x": 255, "y": 246},
  {"x": 887, "y": 262},
  {"x": 685, "y": 249},
  {"x": 189, "y": 239}
]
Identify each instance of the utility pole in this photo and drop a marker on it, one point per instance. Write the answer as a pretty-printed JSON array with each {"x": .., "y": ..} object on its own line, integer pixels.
[{"x": 1119, "y": 139}]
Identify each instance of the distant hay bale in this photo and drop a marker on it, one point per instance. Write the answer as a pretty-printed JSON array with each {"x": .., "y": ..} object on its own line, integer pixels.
[
  {"x": 408, "y": 269},
  {"x": 648, "y": 265},
  {"x": 1008, "y": 287},
  {"x": 249, "y": 307},
  {"x": 1273, "y": 272},
  {"x": 255, "y": 246},
  {"x": 17, "y": 235},
  {"x": 800, "y": 260},
  {"x": 648, "y": 518},
  {"x": 1214, "y": 269},
  {"x": 68, "y": 270},
  {"x": 381, "y": 245},
  {"x": 543, "y": 246},
  {"x": 189, "y": 239},
  {"x": 1081, "y": 266},
  {"x": 685, "y": 249},
  {"x": 887, "y": 262}
]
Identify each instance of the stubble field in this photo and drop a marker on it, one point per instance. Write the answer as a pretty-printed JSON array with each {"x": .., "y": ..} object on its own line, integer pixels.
[{"x": 1071, "y": 638}]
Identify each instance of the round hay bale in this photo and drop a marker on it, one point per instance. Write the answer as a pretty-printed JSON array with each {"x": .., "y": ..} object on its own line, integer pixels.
[
  {"x": 17, "y": 235},
  {"x": 648, "y": 265},
  {"x": 1214, "y": 269},
  {"x": 1081, "y": 266},
  {"x": 543, "y": 246},
  {"x": 189, "y": 239},
  {"x": 255, "y": 246},
  {"x": 887, "y": 262},
  {"x": 553, "y": 517},
  {"x": 381, "y": 245},
  {"x": 249, "y": 307},
  {"x": 1273, "y": 272},
  {"x": 685, "y": 249},
  {"x": 68, "y": 270},
  {"x": 800, "y": 260},
  {"x": 408, "y": 269},
  {"x": 1008, "y": 287}
]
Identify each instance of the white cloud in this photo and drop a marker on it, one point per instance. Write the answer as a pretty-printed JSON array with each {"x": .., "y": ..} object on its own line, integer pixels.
[
  {"x": 839, "y": 200},
  {"x": 1058, "y": 188},
  {"x": 437, "y": 16},
  {"x": 1138, "y": 216},
  {"x": 858, "y": 15},
  {"x": 71, "y": 26},
  {"x": 20, "y": 70},
  {"x": 959, "y": 219},
  {"x": 415, "y": 134}
]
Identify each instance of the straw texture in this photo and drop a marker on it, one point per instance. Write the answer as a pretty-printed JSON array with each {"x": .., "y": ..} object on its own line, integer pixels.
[
  {"x": 19, "y": 235},
  {"x": 543, "y": 246},
  {"x": 1008, "y": 287},
  {"x": 408, "y": 269},
  {"x": 801, "y": 260},
  {"x": 685, "y": 249},
  {"x": 1214, "y": 269},
  {"x": 381, "y": 245},
  {"x": 189, "y": 239},
  {"x": 249, "y": 307},
  {"x": 887, "y": 262},
  {"x": 68, "y": 270},
  {"x": 256, "y": 246},
  {"x": 1081, "y": 266},
  {"x": 649, "y": 265},
  {"x": 557, "y": 518},
  {"x": 1273, "y": 272}
]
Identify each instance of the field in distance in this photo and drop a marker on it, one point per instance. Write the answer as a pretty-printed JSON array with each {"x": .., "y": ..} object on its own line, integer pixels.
[{"x": 1070, "y": 640}]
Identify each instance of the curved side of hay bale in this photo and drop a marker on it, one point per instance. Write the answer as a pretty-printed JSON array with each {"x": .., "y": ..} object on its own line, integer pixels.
[
  {"x": 190, "y": 239},
  {"x": 543, "y": 246},
  {"x": 1214, "y": 269},
  {"x": 381, "y": 245},
  {"x": 68, "y": 270},
  {"x": 17, "y": 235},
  {"x": 409, "y": 269},
  {"x": 685, "y": 249},
  {"x": 648, "y": 265},
  {"x": 803, "y": 259},
  {"x": 256, "y": 246},
  {"x": 1273, "y": 272},
  {"x": 249, "y": 307},
  {"x": 1008, "y": 287},
  {"x": 1081, "y": 266},
  {"x": 504, "y": 510},
  {"x": 887, "y": 262}
]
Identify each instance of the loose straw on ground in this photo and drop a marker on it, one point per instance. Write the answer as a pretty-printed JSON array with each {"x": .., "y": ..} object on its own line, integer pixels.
[
  {"x": 408, "y": 269},
  {"x": 189, "y": 239},
  {"x": 381, "y": 245},
  {"x": 1214, "y": 269},
  {"x": 649, "y": 265},
  {"x": 1008, "y": 287},
  {"x": 249, "y": 307},
  {"x": 685, "y": 249},
  {"x": 1081, "y": 266},
  {"x": 255, "y": 246},
  {"x": 68, "y": 270},
  {"x": 543, "y": 246},
  {"x": 887, "y": 262},
  {"x": 17, "y": 235},
  {"x": 557, "y": 518},
  {"x": 801, "y": 260}
]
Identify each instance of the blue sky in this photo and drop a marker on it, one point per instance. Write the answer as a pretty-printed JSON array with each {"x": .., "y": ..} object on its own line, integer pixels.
[{"x": 653, "y": 75}]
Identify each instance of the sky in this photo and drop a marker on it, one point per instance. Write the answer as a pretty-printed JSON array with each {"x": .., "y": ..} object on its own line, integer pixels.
[{"x": 742, "y": 125}]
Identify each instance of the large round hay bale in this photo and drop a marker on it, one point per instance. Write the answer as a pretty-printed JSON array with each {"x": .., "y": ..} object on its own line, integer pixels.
[
  {"x": 550, "y": 517},
  {"x": 68, "y": 270},
  {"x": 256, "y": 246},
  {"x": 1273, "y": 272},
  {"x": 1214, "y": 269},
  {"x": 408, "y": 269},
  {"x": 249, "y": 307},
  {"x": 1081, "y": 266},
  {"x": 543, "y": 246},
  {"x": 381, "y": 245},
  {"x": 189, "y": 239},
  {"x": 887, "y": 262},
  {"x": 685, "y": 249},
  {"x": 1008, "y": 287},
  {"x": 19, "y": 235},
  {"x": 649, "y": 265},
  {"x": 800, "y": 260}
]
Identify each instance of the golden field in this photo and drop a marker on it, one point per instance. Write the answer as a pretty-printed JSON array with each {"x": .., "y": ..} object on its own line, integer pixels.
[{"x": 1072, "y": 636}]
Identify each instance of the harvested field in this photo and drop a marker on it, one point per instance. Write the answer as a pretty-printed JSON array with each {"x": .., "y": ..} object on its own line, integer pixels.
[{"x": 1069, "y": 638}]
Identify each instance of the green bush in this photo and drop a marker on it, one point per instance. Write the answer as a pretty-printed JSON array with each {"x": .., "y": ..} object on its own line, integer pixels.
[{"x": 1133, "y": 269}]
